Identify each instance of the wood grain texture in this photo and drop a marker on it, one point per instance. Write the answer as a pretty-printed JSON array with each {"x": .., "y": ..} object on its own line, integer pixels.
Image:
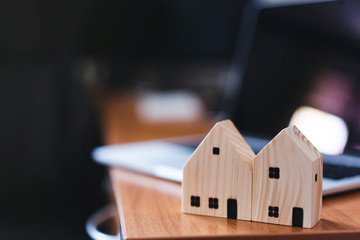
[
  {"x": 298, "y": 162},
  {"x": 150, "y": 208},
  {"x": 223, "y": 176}
]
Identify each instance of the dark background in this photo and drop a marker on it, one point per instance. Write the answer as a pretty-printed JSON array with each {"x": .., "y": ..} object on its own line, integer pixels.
[
  {"x": 49, "y": 184},
  {"x": 302, "y": 55}
]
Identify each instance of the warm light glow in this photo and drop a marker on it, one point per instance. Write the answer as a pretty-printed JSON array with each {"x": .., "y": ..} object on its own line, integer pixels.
[{"x": 327, "y": 132}]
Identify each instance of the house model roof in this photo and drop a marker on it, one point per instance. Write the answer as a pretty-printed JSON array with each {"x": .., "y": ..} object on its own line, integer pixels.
[
  {"x": 305, "y": 144},
  {"x": 228, "y": 129},
  {"x": 294, "y": 134}
]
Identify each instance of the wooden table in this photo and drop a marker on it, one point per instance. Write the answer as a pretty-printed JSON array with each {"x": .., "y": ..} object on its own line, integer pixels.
[{"x": 149, "y": 208}]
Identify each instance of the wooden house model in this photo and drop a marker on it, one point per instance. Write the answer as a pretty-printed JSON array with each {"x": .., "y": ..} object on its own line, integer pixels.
[
  {"x": 282, "y": 184},
  {"x": 287, "y": 181},
  {"x": 217, "y": 179}
]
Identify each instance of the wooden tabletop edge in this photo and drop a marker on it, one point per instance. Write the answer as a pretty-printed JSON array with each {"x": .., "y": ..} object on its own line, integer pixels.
[{"x": 347, "y": 234}]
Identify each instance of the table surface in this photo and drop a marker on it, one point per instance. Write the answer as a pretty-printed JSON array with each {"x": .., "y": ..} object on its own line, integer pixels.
[{"x": 149, "y": 208}]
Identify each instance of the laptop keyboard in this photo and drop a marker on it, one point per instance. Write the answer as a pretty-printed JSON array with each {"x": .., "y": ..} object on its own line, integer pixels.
[{"x": 339, "y": 171}]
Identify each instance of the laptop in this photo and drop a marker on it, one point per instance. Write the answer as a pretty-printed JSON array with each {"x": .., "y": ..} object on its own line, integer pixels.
[{"x": 287, "y": 69}]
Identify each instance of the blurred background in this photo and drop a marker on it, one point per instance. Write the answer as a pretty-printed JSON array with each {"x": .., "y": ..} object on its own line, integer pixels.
[
  {"x": 57, "y": 60},
  {"x": 62, "y": 63}
]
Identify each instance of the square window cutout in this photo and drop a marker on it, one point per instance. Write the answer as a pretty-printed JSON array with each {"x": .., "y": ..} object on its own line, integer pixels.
[
  {"x": 213, "y": 203},
  {"x": 274, "y": 172},
  {"x": 195, "y": 201},
  {"x": 216, "y": 150},
  {"x": 273, "y": 211}
]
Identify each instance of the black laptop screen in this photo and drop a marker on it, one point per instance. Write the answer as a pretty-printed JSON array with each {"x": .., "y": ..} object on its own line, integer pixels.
[{"x": 304, "y": 65}]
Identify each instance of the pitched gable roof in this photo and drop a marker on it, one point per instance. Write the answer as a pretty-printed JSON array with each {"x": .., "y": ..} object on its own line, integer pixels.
[
  {"x": 232, "y": 134},
  {"x": 298, "y": 139},
  {"x": 302, "y": 142}
]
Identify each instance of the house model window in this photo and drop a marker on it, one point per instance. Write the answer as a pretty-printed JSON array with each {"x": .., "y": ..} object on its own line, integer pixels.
[
  {"x": 273, "y": 212},
  {"x": 315, "y": 177},
  {"x": 274, "y": 172},
  {"x": 195, "y": 201},
  {"x": 216, "y": 150},
  {"x": 213, "y": 203}
]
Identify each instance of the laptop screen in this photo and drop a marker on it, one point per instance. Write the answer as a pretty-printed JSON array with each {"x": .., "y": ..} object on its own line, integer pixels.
[{"x": 305, "y": 70}]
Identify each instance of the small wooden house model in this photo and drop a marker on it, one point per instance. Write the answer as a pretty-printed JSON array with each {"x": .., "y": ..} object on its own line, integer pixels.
[
  {"x": 217, "y": 179},
  {"x": 282, "y": 184},
  {"x": 287, "y": 181}
]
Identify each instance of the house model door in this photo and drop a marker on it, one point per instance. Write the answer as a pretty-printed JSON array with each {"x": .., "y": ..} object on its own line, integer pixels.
[
  {"x": 232, "y": 208},
  {"x": 297, "y": 217}
]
